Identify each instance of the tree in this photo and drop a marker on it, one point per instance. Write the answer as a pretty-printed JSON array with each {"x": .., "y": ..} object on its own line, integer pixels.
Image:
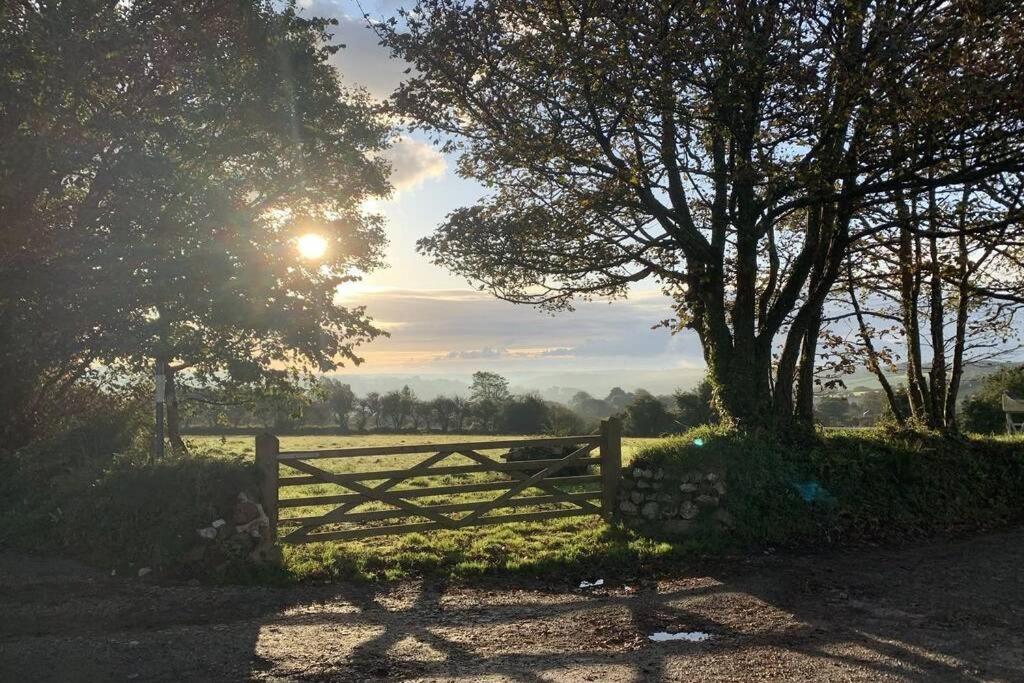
[
  {"x": 397, "y": 408},
  {"x": 423, "y": 415},
  {"x": 952, "y": 292},
  {"x": 983, "y": 412},
  {"x": 392, "y": 409},
  {"x": 361, "y": 415},
  {"x": 722, "y": 149},
  {"x": 563, "y": 421},
  {"x": 59, "y": 109},
  {"x": 619, "y": 399},
  {"x": 371, "y": 404},
  {"x": 488, "y": 395},
  {"x": 489, "y": 386},
  {"x": 647, "y": 416},
  {"x": 444, "y": 410},
  {"x": 590, "y": 408},
  {"x": 461, "y": 409},
  {"x": 486, "y": 411},
  {"x": 227, "y": 135},
  {"x": 695, "y": 407},
  {"x": 341, "y": 400},
  {"x": 834, "y": 411},
  {"x": 281, "y": 411},
  {"x": 406, "y": 405},
  {"x": 526, "y": 414}
]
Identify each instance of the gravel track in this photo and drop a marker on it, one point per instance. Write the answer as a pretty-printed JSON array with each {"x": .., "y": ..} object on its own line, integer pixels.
[{"x": 947, "y": 610}]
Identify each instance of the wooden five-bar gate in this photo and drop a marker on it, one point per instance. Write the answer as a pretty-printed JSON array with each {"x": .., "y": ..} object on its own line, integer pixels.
[{"x": 561, "y": 490}]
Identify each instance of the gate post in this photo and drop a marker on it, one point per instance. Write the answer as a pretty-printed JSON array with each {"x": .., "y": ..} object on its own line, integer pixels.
[
  {"x": 611, "y": 465},
  {"x": 267, "y": 447}
]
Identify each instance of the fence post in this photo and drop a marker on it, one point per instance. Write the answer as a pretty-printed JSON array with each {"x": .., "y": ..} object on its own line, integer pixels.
[
  {"x": 267, "y": 447},
  {"x": 611, "y": 465}
]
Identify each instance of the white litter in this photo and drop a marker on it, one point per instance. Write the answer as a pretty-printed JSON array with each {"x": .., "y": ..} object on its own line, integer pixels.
[
  {"x": 689, "y": 636},
  {"x": 591, "y": 584}
]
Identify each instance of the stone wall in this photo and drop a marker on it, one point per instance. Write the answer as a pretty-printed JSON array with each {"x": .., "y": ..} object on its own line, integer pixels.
[{"x": 673, "y": 503}]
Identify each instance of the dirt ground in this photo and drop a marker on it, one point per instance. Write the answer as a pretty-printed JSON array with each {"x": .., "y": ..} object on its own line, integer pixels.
[{"x": 950, "y": 610}]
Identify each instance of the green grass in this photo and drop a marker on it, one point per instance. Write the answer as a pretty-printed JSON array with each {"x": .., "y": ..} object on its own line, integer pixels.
[{"x": 568, "y": 544}]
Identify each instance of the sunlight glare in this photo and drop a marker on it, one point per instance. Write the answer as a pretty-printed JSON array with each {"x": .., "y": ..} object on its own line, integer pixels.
[{"x": 312, "y": 246}]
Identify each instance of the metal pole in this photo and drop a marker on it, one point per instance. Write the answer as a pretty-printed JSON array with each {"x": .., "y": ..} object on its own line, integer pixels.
[{"x": 158, "y": 436}]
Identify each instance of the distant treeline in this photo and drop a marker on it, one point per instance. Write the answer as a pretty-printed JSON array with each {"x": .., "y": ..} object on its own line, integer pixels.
[{"x": 330, "y": 406}]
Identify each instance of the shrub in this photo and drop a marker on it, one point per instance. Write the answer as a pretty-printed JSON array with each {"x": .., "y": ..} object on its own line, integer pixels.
[
  {"x": 37, "y": 479},
  {"x": 854, "y": 485},
  {"x": 147, "y": 514},
  {"x": 648, "y": 416},
  {"x": 91, "y": 492}
]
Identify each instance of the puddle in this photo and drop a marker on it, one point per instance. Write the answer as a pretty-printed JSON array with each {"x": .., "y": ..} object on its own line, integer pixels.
[{"x": 689, "y": 636}]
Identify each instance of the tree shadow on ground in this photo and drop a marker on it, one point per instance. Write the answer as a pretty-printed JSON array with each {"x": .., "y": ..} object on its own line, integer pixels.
[{"x": 943, "y": 611}]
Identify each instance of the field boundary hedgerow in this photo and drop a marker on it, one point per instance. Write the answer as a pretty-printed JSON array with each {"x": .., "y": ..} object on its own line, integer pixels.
[{"x": 870, "y": 486}]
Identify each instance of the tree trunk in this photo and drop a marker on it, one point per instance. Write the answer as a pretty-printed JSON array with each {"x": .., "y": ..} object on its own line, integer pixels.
[
  {"x": 962, "y": 311},
  {"x": 909, "y": 287},
  {"x": 936, "y": 315},
  {"x": 178, "y": 446},
  {"x": 873, "y": 364},
  {"x": 804, "y": 407},
  {"x": 741, "y": 389}
]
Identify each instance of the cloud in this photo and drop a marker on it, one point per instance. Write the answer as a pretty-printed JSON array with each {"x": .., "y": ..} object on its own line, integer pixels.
[
  {"x": 362, "y": 62},
  {"x": 413, "y": 162},
  {"x": 560, "y": 351},
  {"x": 488, "y": 352},
  {"x": 454, "y": 330},
  {"x": 474, "y": 354}
]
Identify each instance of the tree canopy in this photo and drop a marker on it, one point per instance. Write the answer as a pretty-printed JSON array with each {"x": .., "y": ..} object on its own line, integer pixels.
[
  {"x": 175, "y": 152},
  {"x": 720, "y": 148}
]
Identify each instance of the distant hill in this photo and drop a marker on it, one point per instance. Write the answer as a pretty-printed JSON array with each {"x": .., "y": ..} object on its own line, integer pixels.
[
  {"x": 561, "y": 386},
  {"x": 426, "y": 387},
  {"x": 863, "y": 380}
]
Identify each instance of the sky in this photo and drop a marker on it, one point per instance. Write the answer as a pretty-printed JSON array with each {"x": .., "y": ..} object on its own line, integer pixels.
[{"x": 440, "y": 326}]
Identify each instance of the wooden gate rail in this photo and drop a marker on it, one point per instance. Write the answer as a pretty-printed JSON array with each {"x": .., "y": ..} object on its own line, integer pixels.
[{"x": 545, "y": 475}]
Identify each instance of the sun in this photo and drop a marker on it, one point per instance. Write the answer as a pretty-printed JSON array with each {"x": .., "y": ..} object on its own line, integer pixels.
[{"x": 312, "y": 246}]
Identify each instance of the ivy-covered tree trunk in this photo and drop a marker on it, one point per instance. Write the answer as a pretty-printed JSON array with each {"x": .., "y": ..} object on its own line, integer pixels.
[{"x": 740, "y": 387}]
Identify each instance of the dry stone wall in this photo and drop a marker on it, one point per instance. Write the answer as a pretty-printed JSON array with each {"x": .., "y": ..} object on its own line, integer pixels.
[{"x": 673, "y": 503}]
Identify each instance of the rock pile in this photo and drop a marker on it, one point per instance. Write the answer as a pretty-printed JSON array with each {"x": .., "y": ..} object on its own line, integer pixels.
[
  {"x": 673, "y": 504},
  {"x": 245, "y": 537}
]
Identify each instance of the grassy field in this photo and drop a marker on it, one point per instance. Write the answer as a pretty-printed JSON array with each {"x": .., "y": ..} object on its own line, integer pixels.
[{"x": 570, "y": 543}]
